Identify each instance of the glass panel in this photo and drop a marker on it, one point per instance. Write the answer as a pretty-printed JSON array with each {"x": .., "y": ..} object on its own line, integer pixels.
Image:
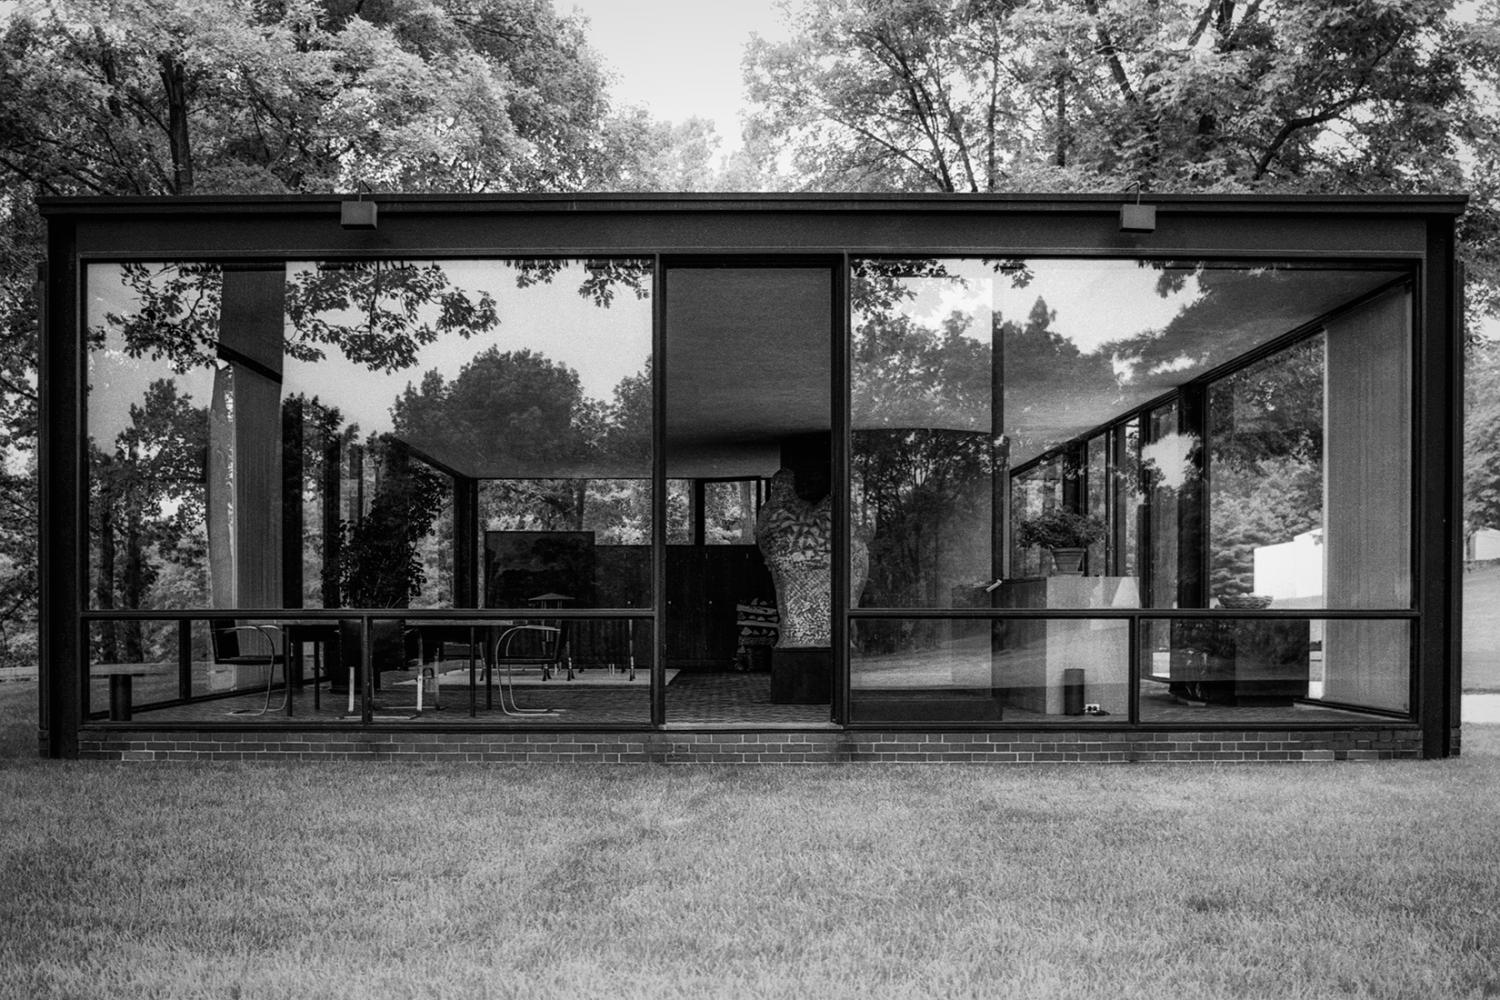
[
  {"x": 1169, "y": 465},
  {"x": 729, "y": 512},
  {"x": 525, "y": 381},
  {"x": 1271, "y": 670},
  {"x": 1034, "y": 492},
  {"x": 1265, "y": 474},
  {"x": 679, "y": 512},
  {"x": 969, "y": 374},
  {"x": 1012, "y": 670},
  {"x": 153, "y": 378},
  {"x": 379, "y": 434},
  {"x": 1126, "y": 500}
]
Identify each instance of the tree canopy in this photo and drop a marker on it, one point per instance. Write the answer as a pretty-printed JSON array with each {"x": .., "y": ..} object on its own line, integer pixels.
[{"x": 1197, "y": 95}]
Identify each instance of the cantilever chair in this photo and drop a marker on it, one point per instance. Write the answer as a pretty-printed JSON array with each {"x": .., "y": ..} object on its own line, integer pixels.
[
  {"x": 253, "y": 645},
  {"x": 544, "y": 646}
]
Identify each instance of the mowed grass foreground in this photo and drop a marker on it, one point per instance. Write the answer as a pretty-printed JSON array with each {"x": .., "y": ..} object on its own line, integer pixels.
[{"x": 356, "y": 880}]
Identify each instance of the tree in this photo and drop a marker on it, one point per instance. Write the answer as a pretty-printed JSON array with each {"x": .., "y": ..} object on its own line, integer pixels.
[
  {"x": 20, "y": 234},
  {"x": 1015, "y": 95},
  {"x": 185, "y": 96},
  {"x": 983, "y": 95}
]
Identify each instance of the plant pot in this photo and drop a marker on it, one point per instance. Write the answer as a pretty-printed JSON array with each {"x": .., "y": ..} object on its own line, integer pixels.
[{"x": 1067, "y": 562}]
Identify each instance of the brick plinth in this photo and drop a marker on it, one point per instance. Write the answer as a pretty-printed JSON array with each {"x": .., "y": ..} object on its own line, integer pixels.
[{"x": 756, "y": 747}]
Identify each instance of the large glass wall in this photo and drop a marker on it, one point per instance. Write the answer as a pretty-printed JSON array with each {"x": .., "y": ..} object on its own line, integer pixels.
[
  {"x": 375, "y": 435},
  {"x": 1060, "y": 469},
  {"x": 1067, "y": 435}
]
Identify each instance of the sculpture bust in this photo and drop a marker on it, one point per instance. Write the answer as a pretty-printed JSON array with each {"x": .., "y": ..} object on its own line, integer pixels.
[{"x": 796, "y": 538}]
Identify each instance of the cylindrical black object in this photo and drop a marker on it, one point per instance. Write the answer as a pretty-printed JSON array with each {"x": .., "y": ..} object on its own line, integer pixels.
[
  {"x": 1073, "y": 691},
  {"x": 119, "y": 697}
]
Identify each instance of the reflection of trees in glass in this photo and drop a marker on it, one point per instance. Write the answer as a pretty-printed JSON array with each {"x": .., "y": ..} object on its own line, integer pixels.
[
  {"x": 921, "y": 466},
  {"x": 146, "y": 514},
  {"x": 923, "y": 402},
  {"x": 519, "y": 412},
  {"x": 1237, "y": 309},
  {"x": 1051, "y": 385},
  {"x": 1265, "y": 461},
  {"x": 379, "y": 314},
  {"x": 379, "y": 565}
]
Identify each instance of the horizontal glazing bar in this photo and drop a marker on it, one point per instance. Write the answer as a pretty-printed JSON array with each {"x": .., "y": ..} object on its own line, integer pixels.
[
  {"x": 1139, "y": 614},
  {"x": 379, "y": 614}
]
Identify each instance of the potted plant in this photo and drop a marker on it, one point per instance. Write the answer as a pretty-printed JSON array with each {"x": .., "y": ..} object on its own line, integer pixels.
[{"x": 1064, "y": 533}]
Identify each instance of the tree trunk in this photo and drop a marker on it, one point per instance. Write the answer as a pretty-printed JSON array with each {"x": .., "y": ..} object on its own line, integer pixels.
[
  {"x": 104, "y": 586},
  {"x": 1062, "y": 120},
  {"x": 174, "y": 85}
]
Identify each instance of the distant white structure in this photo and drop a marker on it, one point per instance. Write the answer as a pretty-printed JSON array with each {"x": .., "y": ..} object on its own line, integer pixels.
[
  {"x": 1289, "y": 571},
  {"x": 1483, "y": 544}
]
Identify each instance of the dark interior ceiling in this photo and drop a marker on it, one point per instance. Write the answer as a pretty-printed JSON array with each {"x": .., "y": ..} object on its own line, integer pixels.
[{"x": 748, "y": 354}]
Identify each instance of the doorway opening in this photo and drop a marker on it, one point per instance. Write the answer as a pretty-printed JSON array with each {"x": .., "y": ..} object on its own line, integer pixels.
[{"x": 748, "y": 385}]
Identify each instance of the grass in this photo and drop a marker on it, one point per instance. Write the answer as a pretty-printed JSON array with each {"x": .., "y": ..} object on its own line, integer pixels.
[
  {"x": 366, "y": 880},
  {"x": 357, "y": 880}
]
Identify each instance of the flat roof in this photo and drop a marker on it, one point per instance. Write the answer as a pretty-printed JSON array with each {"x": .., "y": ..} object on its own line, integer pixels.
[{"x": 1426, "y": 204}]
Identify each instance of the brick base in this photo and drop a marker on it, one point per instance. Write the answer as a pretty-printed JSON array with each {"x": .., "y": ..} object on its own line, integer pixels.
[{"x": 756, "y": 747}]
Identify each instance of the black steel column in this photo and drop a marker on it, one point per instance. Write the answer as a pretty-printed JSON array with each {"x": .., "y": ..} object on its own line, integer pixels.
[
  {"x": 1437, "y": 523},
  {"x": 62, "y": 497},
  {"x": 840, "y": 320},
  {"x": 291, "y": 503},
  {"x": 465, "y": 542},
  {"x": 659, "y": 490}
]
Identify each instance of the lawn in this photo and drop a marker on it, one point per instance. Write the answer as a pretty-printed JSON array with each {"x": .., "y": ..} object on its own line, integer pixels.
[{"x": 362, "y": 880}]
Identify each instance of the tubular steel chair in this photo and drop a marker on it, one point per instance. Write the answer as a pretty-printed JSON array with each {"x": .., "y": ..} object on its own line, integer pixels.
[
  {"x": 544, "y": 646},
  {"x": 265, "y": 647}
]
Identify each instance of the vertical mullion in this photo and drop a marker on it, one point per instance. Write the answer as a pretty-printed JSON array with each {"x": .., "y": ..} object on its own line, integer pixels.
[
  {"x": 185, "y": 658},
  {"x": 366, "y": 664},
  {"x": 840, "y": 321},
  {"x": 658, "y": 490},
  {"x": 1133, "y": 668},
  {"x": 62, "y": 488},
  {"x": 1192, "y": 502}
]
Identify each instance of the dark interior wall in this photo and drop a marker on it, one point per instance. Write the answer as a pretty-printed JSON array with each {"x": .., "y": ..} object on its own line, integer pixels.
[
  {"x": 810, "y": 457},
  {"x": 705, "y": 583}
]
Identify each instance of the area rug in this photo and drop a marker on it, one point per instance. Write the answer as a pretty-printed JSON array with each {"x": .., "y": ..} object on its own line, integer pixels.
[{"x": 593, "y": 677}]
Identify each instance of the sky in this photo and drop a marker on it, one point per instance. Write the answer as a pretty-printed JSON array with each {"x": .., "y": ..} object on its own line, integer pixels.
[{"x": 679, "y": 58}]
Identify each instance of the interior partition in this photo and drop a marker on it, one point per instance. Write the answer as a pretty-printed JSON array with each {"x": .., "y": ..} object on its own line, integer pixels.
[{"x": 1367, "y": 533}]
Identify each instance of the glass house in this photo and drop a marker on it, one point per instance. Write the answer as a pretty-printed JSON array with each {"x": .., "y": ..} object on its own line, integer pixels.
[{"x": 680, "y": 477}]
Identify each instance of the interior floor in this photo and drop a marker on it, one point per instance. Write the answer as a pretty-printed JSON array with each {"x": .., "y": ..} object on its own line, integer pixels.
[{"x": 693, "y": 700}]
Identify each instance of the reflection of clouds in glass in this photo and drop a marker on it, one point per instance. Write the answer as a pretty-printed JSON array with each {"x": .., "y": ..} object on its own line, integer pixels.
[
  {"x": 973, "y": 301},
  {"x": 118, "y": 381},
  {"x": 1177, "y": 364},
  {"x": 1096, "y": 301},
  {"x": 1168, "y": 456}
]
